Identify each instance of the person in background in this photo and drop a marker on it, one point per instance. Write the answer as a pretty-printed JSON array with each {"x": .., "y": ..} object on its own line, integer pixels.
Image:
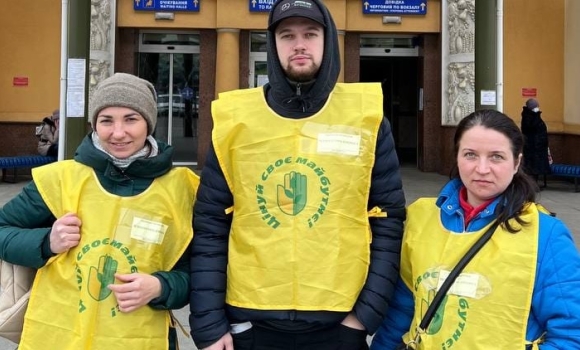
[
  {"x": 47, "y": 134},
  {"x": 536, "y": 150},
  {"x": 520, "y": 291},
  {"x": 109, "y": 232},
  {"x": 300, "y": 208}
]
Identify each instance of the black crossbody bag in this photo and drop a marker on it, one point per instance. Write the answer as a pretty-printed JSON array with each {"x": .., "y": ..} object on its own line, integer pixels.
[{"x": 447, "y": 284}]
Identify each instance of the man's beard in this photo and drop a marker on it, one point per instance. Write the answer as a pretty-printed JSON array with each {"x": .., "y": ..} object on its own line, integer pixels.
[{"x": 302, "y": 75}]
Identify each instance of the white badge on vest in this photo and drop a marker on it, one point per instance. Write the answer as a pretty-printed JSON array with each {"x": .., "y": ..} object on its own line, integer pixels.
[
  {"x": 465, "y": 284},
  {"x": 148, "y": 231},
  {"x": 344, "y": 144}
]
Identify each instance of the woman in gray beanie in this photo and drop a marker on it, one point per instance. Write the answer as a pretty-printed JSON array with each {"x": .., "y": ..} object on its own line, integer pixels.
[{"x": 108, "y": 232}]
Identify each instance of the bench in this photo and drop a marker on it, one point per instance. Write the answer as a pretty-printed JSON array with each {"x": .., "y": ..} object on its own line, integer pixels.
[
  {"x": 567, "y": 170},
  {"x": 26, "y": 161}
]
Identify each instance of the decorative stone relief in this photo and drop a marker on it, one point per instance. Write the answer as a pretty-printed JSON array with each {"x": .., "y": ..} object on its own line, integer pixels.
[
  {"x": 458, "y": 60},
  {"x": 98, "y": 70},
  {"x": 100, "y": 22},
  {"x": 101, "y": 42},
  {"x": 460, "y": 91}
]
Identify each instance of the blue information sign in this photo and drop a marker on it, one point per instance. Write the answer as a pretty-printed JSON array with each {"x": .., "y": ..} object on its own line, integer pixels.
[
  {"x": 187, "y": 93},
  {"x": 261, "y": 5},
  {"x": 166, "y": 5},
  {"x": 395, "y": 7}
]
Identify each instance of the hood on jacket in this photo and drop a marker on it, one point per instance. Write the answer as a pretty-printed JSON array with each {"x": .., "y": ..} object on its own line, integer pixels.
[
  {"x": 530, "y": 119},
  {"x": 281, "y": 93}
]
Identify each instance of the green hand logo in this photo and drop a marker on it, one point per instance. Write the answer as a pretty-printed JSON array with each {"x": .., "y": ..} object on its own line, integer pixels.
[
  {"x": 437, "y": 321},
  {"x": 292, "y": 196},
  {"x": 100, "y": 277}
]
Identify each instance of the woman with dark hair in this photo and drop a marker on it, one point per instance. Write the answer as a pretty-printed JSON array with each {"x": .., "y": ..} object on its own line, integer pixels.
[{"x": 520, "y": 290}]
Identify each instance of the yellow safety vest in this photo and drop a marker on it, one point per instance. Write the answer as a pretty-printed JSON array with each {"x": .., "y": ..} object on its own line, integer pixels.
[
  {"x": 300, "y": 236},
  {"x": 489, "y": 303},
  {"x": 70, "y": 305}
]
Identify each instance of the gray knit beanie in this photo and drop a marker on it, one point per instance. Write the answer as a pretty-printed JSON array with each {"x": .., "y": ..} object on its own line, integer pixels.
[
  {"x": 125, "y": 90},
  {"x": 532, "y": 103}
]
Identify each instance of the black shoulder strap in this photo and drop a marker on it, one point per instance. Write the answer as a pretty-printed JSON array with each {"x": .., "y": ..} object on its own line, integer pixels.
[{"x": 454, "y": 273}]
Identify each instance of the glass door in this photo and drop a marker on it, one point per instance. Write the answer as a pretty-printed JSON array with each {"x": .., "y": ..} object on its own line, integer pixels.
[
  {"x": 171, "y": 63},
  {"x": 258, "y": 70},
  {"x": 258, "y": 60}
]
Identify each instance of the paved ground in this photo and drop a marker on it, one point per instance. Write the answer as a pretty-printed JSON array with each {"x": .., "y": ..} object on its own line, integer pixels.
[{"x": 559, "y": 197}]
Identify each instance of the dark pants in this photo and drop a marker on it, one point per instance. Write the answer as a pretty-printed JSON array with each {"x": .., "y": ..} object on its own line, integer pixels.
[{"x": 336, "y": 338}]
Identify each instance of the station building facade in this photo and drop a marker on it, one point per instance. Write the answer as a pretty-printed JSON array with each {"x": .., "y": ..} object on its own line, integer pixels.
[{"x": 425, "y": 62}]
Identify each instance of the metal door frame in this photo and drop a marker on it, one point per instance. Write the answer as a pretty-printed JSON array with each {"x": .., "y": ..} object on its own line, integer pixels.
[{"x": 169, "y": 49}]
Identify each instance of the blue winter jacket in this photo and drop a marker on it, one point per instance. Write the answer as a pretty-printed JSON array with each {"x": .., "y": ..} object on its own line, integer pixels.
[{"x": 556, "y": 299}]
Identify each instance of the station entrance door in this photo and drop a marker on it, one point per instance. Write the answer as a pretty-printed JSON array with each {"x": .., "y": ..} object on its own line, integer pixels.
[{"x": 170, "y": 61}]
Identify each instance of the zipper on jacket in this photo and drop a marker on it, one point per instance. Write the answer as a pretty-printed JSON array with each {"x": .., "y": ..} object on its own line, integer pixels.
[
  {"x": 118, "y": 172},
  {"x": 299, "y": 93}
]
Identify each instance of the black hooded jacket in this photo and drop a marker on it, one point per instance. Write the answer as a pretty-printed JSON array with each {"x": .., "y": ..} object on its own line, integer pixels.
[
  {"x": 536, "y": 161},
  {"x": 282, "y": 95},
  {"x": 210, "y": 316}
]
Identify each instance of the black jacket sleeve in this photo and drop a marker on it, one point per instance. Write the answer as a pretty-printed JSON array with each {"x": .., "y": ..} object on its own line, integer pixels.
[
  {"x": 386, "y": 193},
  {"x": 209, "y": 255}
]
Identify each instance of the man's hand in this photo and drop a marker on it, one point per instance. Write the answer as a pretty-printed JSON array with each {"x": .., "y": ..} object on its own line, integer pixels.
[
  {"x": 65, "y": 233},
  {"x": 352, "y": 322},
  {"x": 225, "y": 343},
  {"x": 137, "y": 290}
]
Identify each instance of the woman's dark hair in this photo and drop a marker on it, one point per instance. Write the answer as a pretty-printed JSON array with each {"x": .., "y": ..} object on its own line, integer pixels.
[{"x": 522, "y": 189}]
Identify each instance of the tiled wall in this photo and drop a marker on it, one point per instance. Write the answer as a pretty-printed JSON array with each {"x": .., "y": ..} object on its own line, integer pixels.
[{"x": 18, "y": 138}]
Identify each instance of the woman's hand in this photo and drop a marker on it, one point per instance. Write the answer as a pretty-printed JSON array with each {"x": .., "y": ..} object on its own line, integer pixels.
[
  {"x": 137, "y": 289},
  {"x": 65, "y": 233}
]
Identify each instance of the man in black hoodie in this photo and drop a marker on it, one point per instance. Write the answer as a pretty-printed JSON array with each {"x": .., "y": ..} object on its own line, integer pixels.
[{"x": 299, "y": 214}]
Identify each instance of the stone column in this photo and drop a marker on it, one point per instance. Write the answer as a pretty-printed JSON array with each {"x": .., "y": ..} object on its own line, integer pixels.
[
  {"x": 102, "y": 46},
  {"x": 75, "y": 122},
  {"x": 227, "y": 60},
  {"x": 458, "y": 60},
  {"x": 485, "y": 52}
]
